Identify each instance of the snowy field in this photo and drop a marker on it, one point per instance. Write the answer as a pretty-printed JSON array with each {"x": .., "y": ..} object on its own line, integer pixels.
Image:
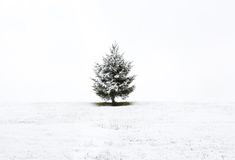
[{"x": 142, "y": 131}]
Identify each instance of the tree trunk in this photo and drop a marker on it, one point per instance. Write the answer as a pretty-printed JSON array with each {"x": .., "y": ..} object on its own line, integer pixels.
[{"x": 113, "y": 100}]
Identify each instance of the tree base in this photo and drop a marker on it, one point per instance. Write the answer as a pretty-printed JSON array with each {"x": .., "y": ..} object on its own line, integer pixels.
[
  {"x": 101, "y": 104},
  {"x": 113, "y": 101}
]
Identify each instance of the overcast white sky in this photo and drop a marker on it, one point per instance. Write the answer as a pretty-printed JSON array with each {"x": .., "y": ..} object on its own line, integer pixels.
[{"x": 182, "y": 50}]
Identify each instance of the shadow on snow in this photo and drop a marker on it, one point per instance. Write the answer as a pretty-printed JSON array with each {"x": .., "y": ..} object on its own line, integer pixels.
[{"x": 117, "y": 104}]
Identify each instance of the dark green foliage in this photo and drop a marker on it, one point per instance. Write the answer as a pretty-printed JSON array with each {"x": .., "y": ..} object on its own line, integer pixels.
[{"x": 112, "y": 79}]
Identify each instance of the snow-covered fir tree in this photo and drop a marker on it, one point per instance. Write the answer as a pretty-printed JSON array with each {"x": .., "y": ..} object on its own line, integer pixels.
[{"x": 112, "y": 77}]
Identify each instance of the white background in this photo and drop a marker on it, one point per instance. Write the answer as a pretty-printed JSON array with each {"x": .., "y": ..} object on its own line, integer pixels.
[{"x": 182, "y": 50}]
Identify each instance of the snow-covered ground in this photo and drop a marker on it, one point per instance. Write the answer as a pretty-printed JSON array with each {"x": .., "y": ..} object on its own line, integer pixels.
[{"x": 142, "y": 131}]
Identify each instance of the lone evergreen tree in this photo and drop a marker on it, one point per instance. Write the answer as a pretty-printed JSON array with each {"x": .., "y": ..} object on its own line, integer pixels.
[{"x": 112, "y": 79}]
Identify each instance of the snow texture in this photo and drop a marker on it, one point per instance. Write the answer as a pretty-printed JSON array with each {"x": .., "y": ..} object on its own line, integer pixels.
[{"x": 142, "y": 131}]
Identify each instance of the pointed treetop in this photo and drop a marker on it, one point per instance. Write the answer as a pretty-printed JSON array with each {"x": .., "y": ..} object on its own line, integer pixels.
[{"x": 115, "y": 48}]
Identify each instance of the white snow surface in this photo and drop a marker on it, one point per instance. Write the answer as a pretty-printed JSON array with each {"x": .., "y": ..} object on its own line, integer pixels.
[{"x": 142, "y": 131}]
